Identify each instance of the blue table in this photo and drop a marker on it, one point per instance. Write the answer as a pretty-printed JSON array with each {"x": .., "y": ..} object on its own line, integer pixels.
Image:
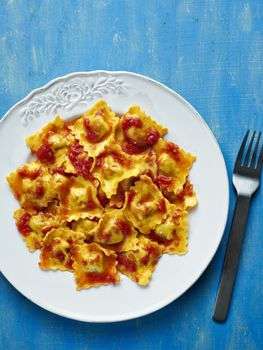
[{"x": 211, "y": 52}]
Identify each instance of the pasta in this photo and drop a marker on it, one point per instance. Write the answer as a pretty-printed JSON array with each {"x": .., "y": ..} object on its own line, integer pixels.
[{"x": 106, "y": 196}]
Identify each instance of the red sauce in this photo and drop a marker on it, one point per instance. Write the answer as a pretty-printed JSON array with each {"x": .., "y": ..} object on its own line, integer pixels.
[
  {"x": 152, "y": 136},
  {"x": 129, "y": 122},
  {"x": 164, "y": 181},
  {"x": 151, "y": 252},
  {"x": 91, "y": 205},
  {"x": 115, "y": 155},
  {"x": 174, "y": 151},
  {"x": 69, "y": 264},
  {"x": 161, "y": 240},
  {"x": 23, "y": 224},
  {"x": 133, "y": 148},
  {"x": 128, "y": 264},
  {"x": 123, "y": 227},
  {"x": 45, "y": 153},
  {"x": 176, "y": 216},
  {"x": 45, "y": 230},
  {"x": 95, "y": 277},
  {"x": 186, "y": 191},
  {"x": 92, "y": 135},
  {"x": 59, "y": 255},
  {"x": 105, "y": 236},
  {"x": 40, "y": 190},
  {"x": 60, "y": 170},
  {"x": 81, "y": 162},
  {"x": 162, "y": 206},
  {"x": 64, "y": 191},
  {"x": 103, "y": 199},
  {"x": 32, "y": 175},
  {"x": 131, "y": 195}
]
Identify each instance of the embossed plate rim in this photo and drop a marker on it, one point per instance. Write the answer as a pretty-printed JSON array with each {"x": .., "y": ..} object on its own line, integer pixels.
[{"x": 157, "y": 306}]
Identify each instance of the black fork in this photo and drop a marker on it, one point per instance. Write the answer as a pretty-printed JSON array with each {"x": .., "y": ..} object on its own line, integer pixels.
[{"x": 246, "y": 180}]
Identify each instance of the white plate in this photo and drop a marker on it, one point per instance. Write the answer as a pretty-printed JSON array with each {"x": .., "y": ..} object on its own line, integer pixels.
[{"x": 70, "y": 96}]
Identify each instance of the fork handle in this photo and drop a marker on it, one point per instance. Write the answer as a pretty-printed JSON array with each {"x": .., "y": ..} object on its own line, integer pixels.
[{"x": 232, "y": 255}]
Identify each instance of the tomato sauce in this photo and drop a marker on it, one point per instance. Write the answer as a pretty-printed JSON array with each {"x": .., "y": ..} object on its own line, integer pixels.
[
  {"x": 161, "y": 240},
  {"x": 173, "y": 150},
  {"x": 151, "y": 253},
  {"x": 152, "y": 136},
  {"x": 186, "y": 191},
  {"x": 45, "y": 153},
  {"x": 103, "y": 199},
  {"x": 131, "y": 195},
  {"x": 124, "y": 227},
  {"x": 129, "y": 122},
  {"x": 23, "y": 224},
  {"x": 163, "y": 181},
  {"x": 91, "y": 134},
  {"x": 95, "y": 277},
  {"x": 128, "y": 264},
  {"x": 32, "y": 175},
  {"x": 45, "y": 230},
  {"x": 162, "y": 206},
  {"x": 81, "y": 162}
]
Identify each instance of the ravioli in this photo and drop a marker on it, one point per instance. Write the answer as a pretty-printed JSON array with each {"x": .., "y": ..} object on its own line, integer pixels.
[
  {"x": 173, "y": 165},
  {"x": 115, "y": 232},
  {"x": 106, "y": 196},
  {"x": 50, "y": 144},
  {"x": 145, "y": 205},
  {"x": 32, "y": 185},
  {"x": 34, "y": 225},
  {"x": 172, "y": 233},
  {"x": 113, "y": 166},
  {"x": 78, "y": 199},
  {"x": 137, "y": 132},
  {"x": 94, "y": 266},
  {"x": 56, "y": 252},
  {"x": 96, "y": 128},
  {"x": 139, "y": 265}
]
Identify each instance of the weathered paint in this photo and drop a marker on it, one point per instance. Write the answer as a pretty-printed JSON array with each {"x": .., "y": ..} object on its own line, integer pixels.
[{"x": 209, "y": 51}]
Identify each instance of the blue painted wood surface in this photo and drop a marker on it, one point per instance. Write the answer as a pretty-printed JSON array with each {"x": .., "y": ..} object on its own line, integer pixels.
[{"x": 211, "y": 52}]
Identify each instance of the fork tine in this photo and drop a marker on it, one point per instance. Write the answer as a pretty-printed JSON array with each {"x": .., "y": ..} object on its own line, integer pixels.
[
  {"x": 254, "y": 156},
  {"x": 249, "y": 149},
  {"x": 241, "y": 150},
  {"x": 260, "y": 160}
]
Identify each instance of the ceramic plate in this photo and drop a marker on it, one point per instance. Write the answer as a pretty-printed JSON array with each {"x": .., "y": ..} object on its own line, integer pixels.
[{"x": 70, "y": 96}]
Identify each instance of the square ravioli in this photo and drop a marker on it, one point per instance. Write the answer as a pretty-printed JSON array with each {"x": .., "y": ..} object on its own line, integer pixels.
[
  {"x": 172, "y": 233},
  {"x": 78, "y": 199},
  {"x": 56, "y": 251},
  {"x": 50, "y": 144},
  {"x": 33, "y": 226},
  {"x": 140, "y": 264},
  {"x": 145, "y": 205},
  {"x": 115, "y": 232},
  {"x": 32, "y": 185},
  {"x": 96, "y": 128},
  {"x": 137, "y": 132},
  {"x": 94, "y": 266},
  {"x": 113, "y": 166},
  {"x": 173, "y": 165}
]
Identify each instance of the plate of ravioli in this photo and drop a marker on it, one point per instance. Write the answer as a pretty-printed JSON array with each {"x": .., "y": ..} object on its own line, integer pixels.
[{"x": 114, "y": 196}]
